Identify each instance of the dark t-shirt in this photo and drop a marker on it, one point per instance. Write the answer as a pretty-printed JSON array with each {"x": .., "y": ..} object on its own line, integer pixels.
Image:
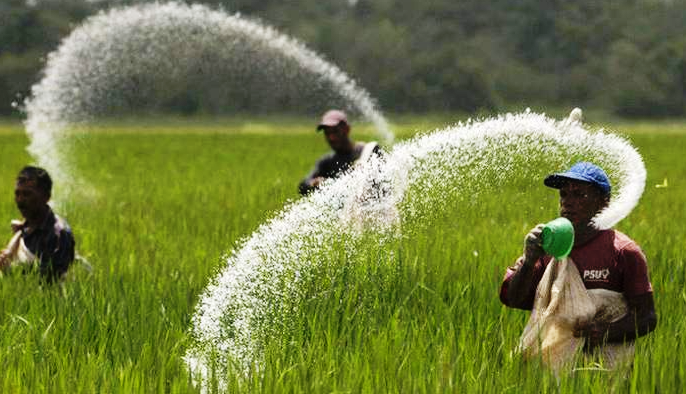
[
  {"x": 332, "y": 165},
  {"x": 610, "y": 260},
  {"x": 53, "y": 244}
]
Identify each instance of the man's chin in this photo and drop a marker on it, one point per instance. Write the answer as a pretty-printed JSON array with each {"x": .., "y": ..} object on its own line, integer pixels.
[
  {"x": 26, "y": 214},
  {"x": 575, "y": 221}
]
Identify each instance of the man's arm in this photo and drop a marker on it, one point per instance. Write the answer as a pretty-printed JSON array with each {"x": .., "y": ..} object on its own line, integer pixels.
[
  {"x": 640, "y": 320},
  {"x": 521, "y": 283},
  {"x": 309, "y": 184},
  {"x": 6, "y": 255},
  {"x": 313, "y": 179}
]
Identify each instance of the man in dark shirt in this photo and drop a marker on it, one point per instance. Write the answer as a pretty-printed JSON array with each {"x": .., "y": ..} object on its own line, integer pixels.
[
  {"x": 42, "y": 238},
  {"x": 345, "y": 152}
]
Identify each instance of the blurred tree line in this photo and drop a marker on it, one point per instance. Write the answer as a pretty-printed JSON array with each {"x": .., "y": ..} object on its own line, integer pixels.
[{"x": 627, "y": 57}]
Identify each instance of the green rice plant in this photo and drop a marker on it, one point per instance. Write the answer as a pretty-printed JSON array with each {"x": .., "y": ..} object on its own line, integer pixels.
[{"x": 418, "y": 313}]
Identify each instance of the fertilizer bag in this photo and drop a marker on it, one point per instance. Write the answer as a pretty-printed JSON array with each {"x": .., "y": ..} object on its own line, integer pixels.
[{"x": 561, "y": 302}]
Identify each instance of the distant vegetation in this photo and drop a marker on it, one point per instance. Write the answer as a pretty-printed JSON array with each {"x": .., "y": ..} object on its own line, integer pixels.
[{"x": 627, "y": 58}]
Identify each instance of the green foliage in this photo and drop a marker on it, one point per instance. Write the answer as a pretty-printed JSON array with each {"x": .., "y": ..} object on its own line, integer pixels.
[
  {"x": 422, "y": 56},
  {"x": 27, "y": 35},
  {"x": 20, "y": 71},
  {"x": 648, "y": 81}
]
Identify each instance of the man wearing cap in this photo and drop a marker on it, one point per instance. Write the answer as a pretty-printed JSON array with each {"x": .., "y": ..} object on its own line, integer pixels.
[
  {"x": 42, "y": 239},
  {"x": 605, "y": 259},
  {"x": 344, "y": 153}
]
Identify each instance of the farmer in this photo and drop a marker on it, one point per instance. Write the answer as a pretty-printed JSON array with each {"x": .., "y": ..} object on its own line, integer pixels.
[
  {"x": 605, "y": 259},
  {"x": 42, "y": 239},
  {"x": 345, "y": 152}
]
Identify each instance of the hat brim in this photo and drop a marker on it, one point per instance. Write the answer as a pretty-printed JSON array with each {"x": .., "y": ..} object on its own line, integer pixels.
[
  {"x": 321, "y": 126},
  {"x": 556, "y": 181}
]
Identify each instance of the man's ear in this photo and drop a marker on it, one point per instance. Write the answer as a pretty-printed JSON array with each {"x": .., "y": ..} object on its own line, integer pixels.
[
  {"x": 46, "y": 197},
  {"x": 606, "y": 200}
]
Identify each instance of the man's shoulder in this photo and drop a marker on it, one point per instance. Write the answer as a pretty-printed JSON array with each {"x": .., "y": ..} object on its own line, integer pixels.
[
  {"x": 373, "y": 146},
  {"x": 366, "y": 150},
  {"x": 622, "y": 241},
  {"x": 61, "y": 226},
  {"x": 327, "y": 157}
]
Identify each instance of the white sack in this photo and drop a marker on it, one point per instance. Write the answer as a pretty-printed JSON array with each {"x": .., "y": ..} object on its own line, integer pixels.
[{"x": 561, "y": 302}]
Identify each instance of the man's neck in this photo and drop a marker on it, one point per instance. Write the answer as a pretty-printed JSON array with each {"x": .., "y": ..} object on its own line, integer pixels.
[
  {"x": 586, "y": 234},
  {"x": 347, "y": 149}
]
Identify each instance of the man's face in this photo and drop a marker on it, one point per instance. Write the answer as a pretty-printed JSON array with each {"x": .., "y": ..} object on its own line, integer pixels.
[
  {"x": 336, "y": 136},
  {"x": 580, "y": 202},
  {"x": 30, "y": 199}
]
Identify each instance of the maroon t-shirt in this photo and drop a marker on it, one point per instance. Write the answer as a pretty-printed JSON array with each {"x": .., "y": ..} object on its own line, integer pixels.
[{"x": 610, "y": 260}]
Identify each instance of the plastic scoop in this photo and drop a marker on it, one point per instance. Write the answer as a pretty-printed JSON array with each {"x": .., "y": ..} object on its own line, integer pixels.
[{"x": 558, "y": 237}]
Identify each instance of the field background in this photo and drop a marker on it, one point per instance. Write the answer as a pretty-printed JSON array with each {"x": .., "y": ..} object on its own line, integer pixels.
[{"x": 174, "y": 195}]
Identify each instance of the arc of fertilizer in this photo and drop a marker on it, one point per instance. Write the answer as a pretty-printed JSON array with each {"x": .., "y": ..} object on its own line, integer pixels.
[
  {"x": 99, "y": 62},
  {"x": 229, "y": 322}
]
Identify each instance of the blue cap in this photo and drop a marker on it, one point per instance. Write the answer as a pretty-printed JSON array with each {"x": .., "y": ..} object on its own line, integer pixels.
[{"x": 582, "y": 171}]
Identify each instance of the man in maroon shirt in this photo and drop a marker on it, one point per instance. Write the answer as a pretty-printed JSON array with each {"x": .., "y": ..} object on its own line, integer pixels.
[{"x": 605, "y": 259}]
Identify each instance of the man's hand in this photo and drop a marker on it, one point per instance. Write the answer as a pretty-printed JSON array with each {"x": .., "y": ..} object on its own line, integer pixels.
[
  {"x": 521, "y": 288},
  {"x": 4, "y": 259},
  {"x": 533, "y": 242},
  {"x": 317, "y": 181},
  {"x": 593, "y": 332},
  {"x": 17, "y": 225},
  {"x": 639, "y": 320}
]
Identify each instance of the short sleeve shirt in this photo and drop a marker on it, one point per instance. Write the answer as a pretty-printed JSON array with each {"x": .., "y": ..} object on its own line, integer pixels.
[
  {"x": 610, "y": 260},
  {"x": 332, "y": 164},
  {"x": 53, "y": 243}
]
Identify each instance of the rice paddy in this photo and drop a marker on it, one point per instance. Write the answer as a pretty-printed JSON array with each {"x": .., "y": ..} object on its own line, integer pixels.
[{"x": 418, "y": 313}]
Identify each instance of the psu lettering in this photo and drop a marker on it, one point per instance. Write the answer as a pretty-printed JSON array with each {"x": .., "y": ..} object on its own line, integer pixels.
[{"x": 596, "y": 275}]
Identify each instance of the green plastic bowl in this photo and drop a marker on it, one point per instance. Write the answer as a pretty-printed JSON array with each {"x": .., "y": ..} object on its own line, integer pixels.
[{"x": 558, "y": 238}]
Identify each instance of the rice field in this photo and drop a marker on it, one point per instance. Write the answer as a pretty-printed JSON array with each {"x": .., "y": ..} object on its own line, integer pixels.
[{"x": 171, "y": 198}]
